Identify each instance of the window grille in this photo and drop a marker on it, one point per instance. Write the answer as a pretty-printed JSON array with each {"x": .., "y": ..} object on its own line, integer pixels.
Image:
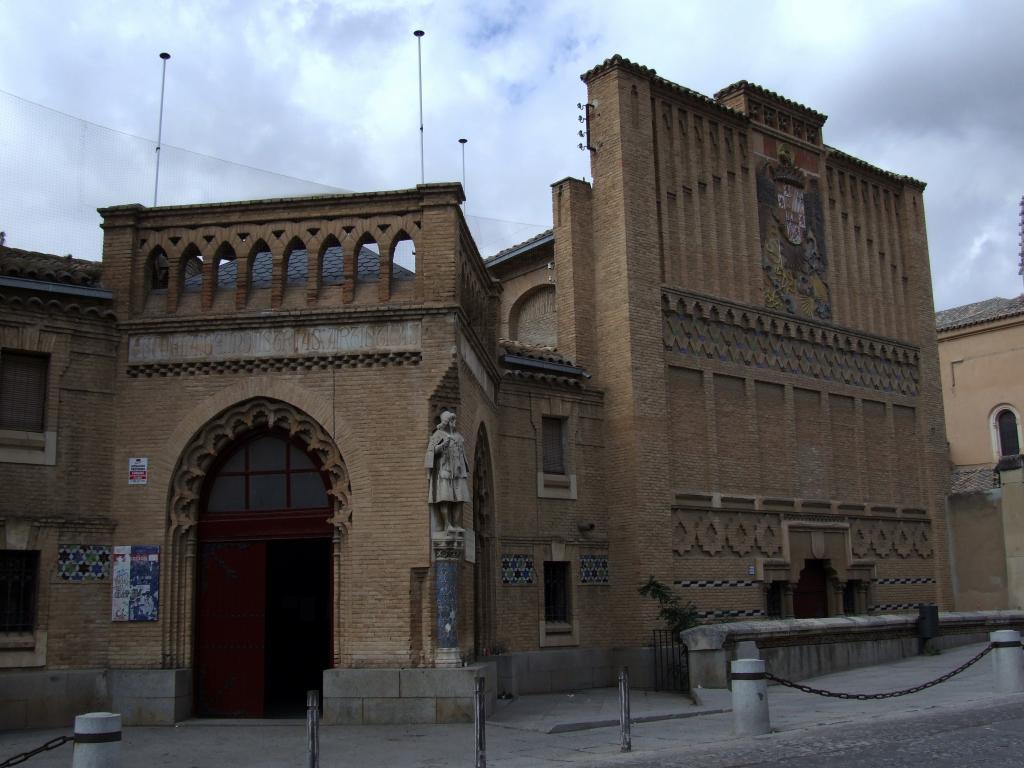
[
  {"x": 556, "y": 591},
  {"x": 1009, "y": 442},
  {"x": 18, "y": 580},
  {"x": 23, "y": 391},
  {"x": 553, "y": 445}
]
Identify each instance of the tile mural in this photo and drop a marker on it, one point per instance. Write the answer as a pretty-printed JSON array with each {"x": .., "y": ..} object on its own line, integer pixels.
[
  {"x": 594, "y": 569},
  {"x": 517, "y": 569},
  {"x": 83, "y": 562}
]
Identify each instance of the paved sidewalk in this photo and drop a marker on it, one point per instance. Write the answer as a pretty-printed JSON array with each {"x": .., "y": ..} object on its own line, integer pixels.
[{"x": 538, "y": 730}]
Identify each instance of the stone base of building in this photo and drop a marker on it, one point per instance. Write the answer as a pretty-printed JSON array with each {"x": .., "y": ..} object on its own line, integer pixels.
[
  {"x": 51, "y": 699},
  {"x": 151, "y": 696},
  {"x": 405, "y": 696},
  {"x": 572, "y": 669}
]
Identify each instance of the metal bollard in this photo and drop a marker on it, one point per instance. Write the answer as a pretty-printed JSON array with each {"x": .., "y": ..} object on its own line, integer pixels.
[
  {"x": 749, "y": 697},
  {"x": 97, "y": 741},
  {"x": 625, "y": 722},
  {"x": 312, "y": 729},
  {"x": 479, "y": 709},
  {"x": 1007, "y": 661}
]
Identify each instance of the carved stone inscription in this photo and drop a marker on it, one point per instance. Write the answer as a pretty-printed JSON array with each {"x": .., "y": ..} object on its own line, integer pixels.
[{"x": 245, "y": 343}]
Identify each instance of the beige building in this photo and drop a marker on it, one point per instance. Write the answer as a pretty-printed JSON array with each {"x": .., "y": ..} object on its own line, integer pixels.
[
  {"x": 981, "y": 354},
  {"x": 718, "y": 368}
]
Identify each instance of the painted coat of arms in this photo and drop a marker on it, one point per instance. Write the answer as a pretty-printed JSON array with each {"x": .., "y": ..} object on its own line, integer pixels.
[{"x": 792, "y": 239}]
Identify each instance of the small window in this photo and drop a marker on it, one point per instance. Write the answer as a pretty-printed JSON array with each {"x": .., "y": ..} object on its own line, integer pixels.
[
  {"x": 850, "y": 597},
  {"x": 774, "y": 600},
  {"x": 1006, "y": 428},
  {"x": 556, "y": 592},
  {"x": 19, "y": 570},
  {"x": 23, "y": 391},
  {"x": 554, "y": 445}
]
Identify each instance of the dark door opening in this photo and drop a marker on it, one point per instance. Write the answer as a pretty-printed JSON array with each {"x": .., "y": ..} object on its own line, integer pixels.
[
  {"x": 810, "y": 597},
  {"x": 264, "y": 630},
  {"x": 263, "y": 600},
  {"x": 298, "y": 624}
]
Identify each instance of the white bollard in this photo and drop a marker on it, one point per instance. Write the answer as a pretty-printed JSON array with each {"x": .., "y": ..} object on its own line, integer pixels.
[
  {"x": 97, "y": 741},
  {"x": 1007, "y": 661},
  {"x": 749, "y": 697}
]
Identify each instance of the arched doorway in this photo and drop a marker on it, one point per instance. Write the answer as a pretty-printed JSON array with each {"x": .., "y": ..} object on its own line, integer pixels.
[
  {"x": 483, "y": 528},
  {"x": 263, "y": 597}
]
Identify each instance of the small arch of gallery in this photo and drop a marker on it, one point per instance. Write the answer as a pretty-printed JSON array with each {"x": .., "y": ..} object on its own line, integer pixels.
[{"x": 232, "y": 270}]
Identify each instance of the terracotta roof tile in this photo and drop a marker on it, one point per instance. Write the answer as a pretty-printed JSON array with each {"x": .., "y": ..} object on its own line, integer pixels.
[
  {"x": 979, "y": 312},
  {"x": 975, "y": 480},
  {"x": 15, "y": 262}
]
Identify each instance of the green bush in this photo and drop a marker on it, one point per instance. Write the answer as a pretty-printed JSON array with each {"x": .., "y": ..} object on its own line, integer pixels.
[{"x": 677, "y": 615}]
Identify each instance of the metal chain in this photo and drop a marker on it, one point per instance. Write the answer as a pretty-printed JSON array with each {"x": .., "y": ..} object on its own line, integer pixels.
[
  {"x": 873, "y": 696},
  {"x": 51, "y": 744}
]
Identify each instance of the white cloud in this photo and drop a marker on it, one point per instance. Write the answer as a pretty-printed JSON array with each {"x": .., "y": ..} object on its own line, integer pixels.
[{"x": 327, "y": 91}]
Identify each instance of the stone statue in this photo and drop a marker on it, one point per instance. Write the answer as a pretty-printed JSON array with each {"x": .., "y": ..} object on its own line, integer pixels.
[{"x": 448, "y": 473}]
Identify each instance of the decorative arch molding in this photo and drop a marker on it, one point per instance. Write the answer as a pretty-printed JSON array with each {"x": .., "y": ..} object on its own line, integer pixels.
[
  {"x": 208, "y": 430},
  {"x": 244, "y": 418}
]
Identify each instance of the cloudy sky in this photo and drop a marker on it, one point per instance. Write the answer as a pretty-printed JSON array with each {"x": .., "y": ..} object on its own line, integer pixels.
[{"x": 326, "y": 92}]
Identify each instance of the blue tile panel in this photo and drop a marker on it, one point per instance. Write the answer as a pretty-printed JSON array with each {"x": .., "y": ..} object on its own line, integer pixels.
[
  {"x": 517, "y": 569},
  {"x": 593, "y": 569},
  {"x": 83, "y": 562}
]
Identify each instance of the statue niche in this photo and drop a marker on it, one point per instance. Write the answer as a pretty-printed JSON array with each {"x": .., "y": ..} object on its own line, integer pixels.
[{"x": 448, "y": 477}]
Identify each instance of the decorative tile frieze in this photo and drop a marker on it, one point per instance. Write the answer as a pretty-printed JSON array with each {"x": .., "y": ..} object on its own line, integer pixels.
[
  {"x": 908, "y": 580},
  {"x": 593, "y": 569},
  {"x": 83, "y": 562},
  {"x": 716, "y": 583},
  {"x": 750, "y": 613},
  {"x": 517, "y": 569},
  {"x": 704, "y": 328}
]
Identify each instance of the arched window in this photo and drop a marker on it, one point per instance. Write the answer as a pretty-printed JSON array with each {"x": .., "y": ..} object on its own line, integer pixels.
[
  {"x": 158, "y": 270},
  {"x": 1007, "y": 432},
  {"x": 265, "y": 486}
]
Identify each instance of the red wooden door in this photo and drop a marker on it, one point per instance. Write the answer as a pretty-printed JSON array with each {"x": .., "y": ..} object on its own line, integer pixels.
[
  {"x": 230, "y": 640},
  {"x": 810, "y": 598}
]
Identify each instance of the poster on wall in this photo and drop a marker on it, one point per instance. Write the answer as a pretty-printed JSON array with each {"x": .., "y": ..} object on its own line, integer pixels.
[
  {"x": 138, "y": 470},
  {"x": 136, "y": 577}
]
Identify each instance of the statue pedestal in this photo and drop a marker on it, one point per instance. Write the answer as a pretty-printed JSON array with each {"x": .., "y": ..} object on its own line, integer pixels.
[{"x": 448, "y": 549}]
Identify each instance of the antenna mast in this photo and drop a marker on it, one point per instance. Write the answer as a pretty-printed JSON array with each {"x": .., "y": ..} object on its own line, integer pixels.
[
  {"x": 419, "y": 58},
  {"x": 463, "y": 143},
  {"x": 160, "y": 126}
]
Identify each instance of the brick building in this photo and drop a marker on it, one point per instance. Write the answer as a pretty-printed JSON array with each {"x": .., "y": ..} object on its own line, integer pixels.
[{"x": 718, "y": 368}]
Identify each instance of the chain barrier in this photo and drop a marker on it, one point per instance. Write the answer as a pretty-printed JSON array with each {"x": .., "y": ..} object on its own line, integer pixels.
[
  {"x": 875, "y": 696},
  {"x": 51, "y": 744}
]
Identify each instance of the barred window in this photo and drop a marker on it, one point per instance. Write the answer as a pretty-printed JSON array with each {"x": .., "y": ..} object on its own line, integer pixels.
[
  {"x": 23, "y": 391},
  {"x": 553, "y": 436},
  {"x": 1006, "y": 427},
  {"x": 556, "y": 591},
  {"x": 19, "y": 571}
]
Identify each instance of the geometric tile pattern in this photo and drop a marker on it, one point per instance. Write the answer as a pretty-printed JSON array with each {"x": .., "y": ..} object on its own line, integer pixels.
[
  {"x": 518, "y": 569},
  {"x": 83, "y": 562},
  {"x": 916, "y": 580},
  {"x": 704, "y": 583},
  {"x": 732, "y": 614},
  {"x": 594, "y": 569}
]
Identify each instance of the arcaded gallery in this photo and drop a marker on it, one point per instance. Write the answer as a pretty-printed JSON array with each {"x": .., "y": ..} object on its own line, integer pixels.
[{"x": 323, "y": 443}]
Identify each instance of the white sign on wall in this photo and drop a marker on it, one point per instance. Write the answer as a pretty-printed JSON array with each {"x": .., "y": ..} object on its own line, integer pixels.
[{"x": 138, "y": 470}]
